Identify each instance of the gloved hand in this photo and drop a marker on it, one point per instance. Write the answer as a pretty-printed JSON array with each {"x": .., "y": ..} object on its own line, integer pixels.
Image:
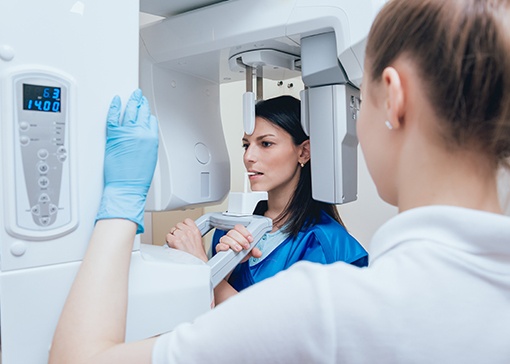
[{"x": 130, "y": 158}]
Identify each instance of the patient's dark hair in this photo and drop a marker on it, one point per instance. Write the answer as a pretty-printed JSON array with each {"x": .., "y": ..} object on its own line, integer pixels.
[{"x": 302, "y": 210}]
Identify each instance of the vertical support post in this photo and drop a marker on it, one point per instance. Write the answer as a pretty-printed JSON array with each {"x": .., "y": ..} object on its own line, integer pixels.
[
  {"x": 260, "y": 83},
  {"x": 249, "y": 79},
  {"x": 249, "y": 103}
]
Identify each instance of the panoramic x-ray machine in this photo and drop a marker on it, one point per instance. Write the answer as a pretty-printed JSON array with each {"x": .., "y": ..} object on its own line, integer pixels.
[{"x": 61, "y": 62}]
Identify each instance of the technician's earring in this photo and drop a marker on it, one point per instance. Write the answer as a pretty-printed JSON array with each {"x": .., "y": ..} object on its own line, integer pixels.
[
  {"x": 388, "y": 125},
  {"x": 302, "y": 165}
]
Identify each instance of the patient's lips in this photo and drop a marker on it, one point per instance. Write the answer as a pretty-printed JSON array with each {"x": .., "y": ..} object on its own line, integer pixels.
[{"x": 253, "y": 174}]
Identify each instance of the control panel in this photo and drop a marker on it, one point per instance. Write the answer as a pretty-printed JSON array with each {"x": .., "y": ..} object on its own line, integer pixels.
[{"x": 42, "y": 170}]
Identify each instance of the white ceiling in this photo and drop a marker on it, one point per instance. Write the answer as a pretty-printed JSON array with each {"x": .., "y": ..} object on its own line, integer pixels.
[{"x": 172, "y": 7}]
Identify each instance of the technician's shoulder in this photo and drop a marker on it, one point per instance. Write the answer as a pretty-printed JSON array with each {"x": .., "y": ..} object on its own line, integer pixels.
[{"x": 286, "y": 318}]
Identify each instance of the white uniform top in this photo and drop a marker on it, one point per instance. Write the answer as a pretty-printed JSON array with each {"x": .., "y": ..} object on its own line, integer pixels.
[{"x": 437, "y": 291}]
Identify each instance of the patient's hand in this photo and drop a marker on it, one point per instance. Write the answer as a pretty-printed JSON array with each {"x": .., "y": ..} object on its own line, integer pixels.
[
  {"x": 186, "y": 236},
  {"x": 237, "y": 239}
]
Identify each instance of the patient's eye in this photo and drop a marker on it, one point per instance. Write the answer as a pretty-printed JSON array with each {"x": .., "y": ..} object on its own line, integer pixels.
[{"x": 266, "y": 144}]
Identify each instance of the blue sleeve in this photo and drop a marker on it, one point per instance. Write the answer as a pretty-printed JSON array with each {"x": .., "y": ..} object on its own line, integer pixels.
[
  {"x": 330, "y": 242},
  {"x": 361, "y": 262},
  {"x": 339, "y": 245},
  {"x": 314, "y": 251}
]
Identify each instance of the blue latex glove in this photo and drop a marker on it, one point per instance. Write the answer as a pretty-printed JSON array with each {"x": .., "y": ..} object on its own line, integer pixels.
[{"x": 130, "y": 158}]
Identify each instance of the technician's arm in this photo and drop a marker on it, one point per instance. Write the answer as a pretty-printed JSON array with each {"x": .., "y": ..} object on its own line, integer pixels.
[
  {"x": 92, "y": 326},
  {"x": 93, "y": 323}
]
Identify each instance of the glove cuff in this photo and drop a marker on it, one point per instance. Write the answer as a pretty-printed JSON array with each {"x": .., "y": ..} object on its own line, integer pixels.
[{"x": 117, "y": 203}]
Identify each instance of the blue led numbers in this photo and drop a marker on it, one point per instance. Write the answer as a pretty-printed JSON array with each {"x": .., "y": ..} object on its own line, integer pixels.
[{"x": 41, "y": 98}]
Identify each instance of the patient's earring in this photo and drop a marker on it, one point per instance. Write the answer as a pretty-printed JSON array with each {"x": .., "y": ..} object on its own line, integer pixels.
[
  {"x": 388, "y": 125},
  {"x": 302, "y": 165}
]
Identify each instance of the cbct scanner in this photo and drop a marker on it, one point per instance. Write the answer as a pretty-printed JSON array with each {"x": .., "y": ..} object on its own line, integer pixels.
[{"x": 61, "y": 62}]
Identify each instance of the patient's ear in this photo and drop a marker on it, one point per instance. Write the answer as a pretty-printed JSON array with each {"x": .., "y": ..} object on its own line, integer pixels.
[
  {"x": 394, "y": 102},
  {"x": 304, "y": 154}
]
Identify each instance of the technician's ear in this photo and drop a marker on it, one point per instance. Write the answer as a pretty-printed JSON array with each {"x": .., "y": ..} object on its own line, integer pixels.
[
  {"x": 394, "y": 93},
  {"x": 304, "y": 153}
]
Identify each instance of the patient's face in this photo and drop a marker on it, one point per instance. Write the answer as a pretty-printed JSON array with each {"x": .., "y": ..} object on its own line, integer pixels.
[{"x": 273, "y": 157}]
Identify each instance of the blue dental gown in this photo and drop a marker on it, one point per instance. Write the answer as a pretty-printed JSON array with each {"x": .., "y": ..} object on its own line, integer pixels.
[{"x": 326, "y": 242}]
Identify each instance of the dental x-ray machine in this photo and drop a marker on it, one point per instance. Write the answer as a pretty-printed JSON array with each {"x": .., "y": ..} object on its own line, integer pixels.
[{"x": 61, "y": 62}]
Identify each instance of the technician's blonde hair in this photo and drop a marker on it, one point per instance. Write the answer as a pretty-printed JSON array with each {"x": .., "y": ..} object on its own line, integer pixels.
[{"x": 462, "y": 52}]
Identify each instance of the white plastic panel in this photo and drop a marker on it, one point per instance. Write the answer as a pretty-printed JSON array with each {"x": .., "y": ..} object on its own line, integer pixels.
[
  {"x": 33, "y": 298},
  {"x": 71, "y": 44},
  {"x": 249, "y": 112},
  {"x": 334, "y": 110},
  {"x": 193, "y": 167}
]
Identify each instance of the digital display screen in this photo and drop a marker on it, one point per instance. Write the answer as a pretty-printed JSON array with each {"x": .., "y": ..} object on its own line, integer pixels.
[{"x": 41, "y": 98}]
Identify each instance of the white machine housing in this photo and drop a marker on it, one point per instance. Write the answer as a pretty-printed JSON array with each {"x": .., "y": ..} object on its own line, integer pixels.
[{"x": 184, "y": 59}]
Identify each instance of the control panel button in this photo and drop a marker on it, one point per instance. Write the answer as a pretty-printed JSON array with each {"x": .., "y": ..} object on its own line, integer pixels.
[
  {"x": 42, "y": 153},
  {"x": 23, "y": 126},
  {"x": 42, "y": 167},
  {"x": 44, "y": 198},
  {"x": 24, "y": 140},
  {"x": 43, "y": 182},
  {"x": 36, "y": 210},
  {"x": 53, "y": 209},
  {"x": 61, "y": 154}
]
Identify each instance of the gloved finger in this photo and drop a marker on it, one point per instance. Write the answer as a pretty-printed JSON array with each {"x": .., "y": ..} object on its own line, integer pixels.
[
  {"x": 113, "y": 116},
  {"x": 153, "y": 124},
  {"x": 144, "y": 111},
  {"x": 132, "y": 106}
]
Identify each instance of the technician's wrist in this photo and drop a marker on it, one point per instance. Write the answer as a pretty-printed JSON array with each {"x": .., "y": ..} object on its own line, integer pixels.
[{"x": 117, "y": 203}]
